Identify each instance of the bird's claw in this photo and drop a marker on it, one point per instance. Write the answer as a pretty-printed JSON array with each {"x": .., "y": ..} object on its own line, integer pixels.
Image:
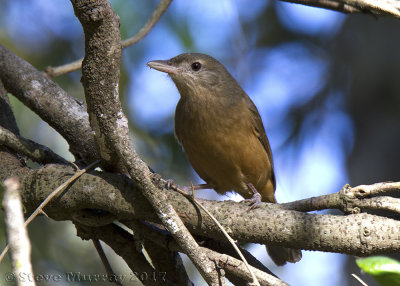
[{"x": 255, "y": 201}]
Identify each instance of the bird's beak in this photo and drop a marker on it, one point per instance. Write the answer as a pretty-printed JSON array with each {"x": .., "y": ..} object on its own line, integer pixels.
[{"x": 164, "y": 66}]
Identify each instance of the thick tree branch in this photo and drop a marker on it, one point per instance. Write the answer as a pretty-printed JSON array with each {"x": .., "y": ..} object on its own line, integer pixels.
[
  {"x": 28, "y": 148},
  {"x": 8, "y": 157},
  {"x": 352, "y": 200},
  {"x": 355, "y": 234},
  {"x": 100, "y": 74},
  {"x": 7, "y": 119},
  {"x": 64, "y": 113},
  {"x": 389, "y": 8}
]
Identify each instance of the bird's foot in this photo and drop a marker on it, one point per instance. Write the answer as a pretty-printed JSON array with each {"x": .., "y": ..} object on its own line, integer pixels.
[{"x": 255, "y": 200}]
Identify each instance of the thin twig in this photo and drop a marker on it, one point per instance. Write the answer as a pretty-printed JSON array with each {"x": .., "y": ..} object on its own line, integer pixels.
[
  {"x": 162, "y": 6},
  {"x": 154, "y": 18},
  {"x": 67, "y": 68},
  {"x": 359, "y": 279},
  {"x": 50, "y": 197},
  {"x": 106, "y": 263},
  {"x": 59, "y": 189},
  {"x": 192, "y": 197}
]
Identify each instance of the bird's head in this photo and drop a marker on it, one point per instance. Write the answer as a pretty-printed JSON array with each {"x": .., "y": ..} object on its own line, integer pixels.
[{"x": 195, "y": 73}]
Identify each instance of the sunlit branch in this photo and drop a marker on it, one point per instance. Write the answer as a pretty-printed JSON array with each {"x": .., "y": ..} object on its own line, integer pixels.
[
  {"x": 352, "y": 200},
  {"x": 389, "y": 8}
]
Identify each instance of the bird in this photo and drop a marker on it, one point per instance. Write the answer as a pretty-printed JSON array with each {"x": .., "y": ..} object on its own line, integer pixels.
[{"x": 222, "y": 134}]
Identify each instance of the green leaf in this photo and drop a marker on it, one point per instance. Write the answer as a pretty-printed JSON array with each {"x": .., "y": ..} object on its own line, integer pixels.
[{"x": 385, "y": 270}]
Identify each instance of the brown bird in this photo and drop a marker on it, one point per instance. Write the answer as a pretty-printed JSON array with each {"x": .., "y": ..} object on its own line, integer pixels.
[{"x": 222, "y": 134}]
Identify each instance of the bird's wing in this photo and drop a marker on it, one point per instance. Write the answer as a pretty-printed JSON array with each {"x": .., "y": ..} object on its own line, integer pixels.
[{"x": 262, "y": 136}]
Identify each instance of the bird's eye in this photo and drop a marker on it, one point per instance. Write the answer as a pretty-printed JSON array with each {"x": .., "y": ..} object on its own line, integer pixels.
[{"x": 196, "y": 66}]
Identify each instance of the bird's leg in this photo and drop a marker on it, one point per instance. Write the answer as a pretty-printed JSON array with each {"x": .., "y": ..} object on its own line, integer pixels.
[{"x": 255, "y": 200}]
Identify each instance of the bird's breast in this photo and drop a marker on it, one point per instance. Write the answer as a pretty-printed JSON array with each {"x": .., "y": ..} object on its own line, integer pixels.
[{"x": 221, "y": 145}]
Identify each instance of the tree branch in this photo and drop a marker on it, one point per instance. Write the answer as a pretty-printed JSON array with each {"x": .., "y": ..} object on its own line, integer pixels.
[
  {"x": 112, "y": 277},
  {"x": 236, "y": 270},
  {"x": 20, "y": 246},
  {"x": 64, "y": 113},
  {"x": 389, "y": 8},
  {"x": 157, "y": 13},
  {"x": 154, "y": 18},
  {"x": 164, "y": 259},
  {"x": 352, "y": 200},
  {"x": 100, "y": 74},
  {"x": 100, "y": 77},
  {"x": 360, "y": 234},
  {"x": 124, "y": 245},
  {"x": 7, "y": 118},
  {"x": 28, "y": 148}
]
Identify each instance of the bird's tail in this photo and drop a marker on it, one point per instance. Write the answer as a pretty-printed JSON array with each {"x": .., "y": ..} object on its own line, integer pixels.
[{"x": 281, "y": 255}]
